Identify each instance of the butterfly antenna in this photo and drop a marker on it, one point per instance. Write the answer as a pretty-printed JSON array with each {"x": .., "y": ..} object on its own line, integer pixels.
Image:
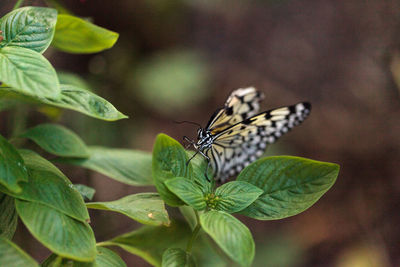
[{"x": 190, "y": 122}]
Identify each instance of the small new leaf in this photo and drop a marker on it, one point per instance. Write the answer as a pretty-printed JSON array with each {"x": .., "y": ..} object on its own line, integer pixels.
[
  {"x": 187, "y": 191},
  {"x": 235, "y": 196}
]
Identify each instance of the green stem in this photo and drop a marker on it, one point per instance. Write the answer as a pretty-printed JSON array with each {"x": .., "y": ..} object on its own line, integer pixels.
[
  {"x": 18, "y": 124},
  {"x": 101, "y": 244},
  {"x": 194, "y": 234},
  {"x": 18, "y": 4}
]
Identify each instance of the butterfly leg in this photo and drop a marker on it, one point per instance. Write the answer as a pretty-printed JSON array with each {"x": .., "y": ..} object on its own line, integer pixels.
[
  {"x": 187, "y": 162},
  {"x": 208, "y": 165},
  {"x": 191, "y": 142}
]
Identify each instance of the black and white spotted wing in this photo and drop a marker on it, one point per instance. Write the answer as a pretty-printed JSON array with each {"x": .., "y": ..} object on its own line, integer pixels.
[
  {"x": 240, "y": 144},
  {"x": 240, "y": 105}
]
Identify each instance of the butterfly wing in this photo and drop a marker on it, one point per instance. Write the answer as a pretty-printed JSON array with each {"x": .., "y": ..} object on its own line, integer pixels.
[
  {"x": 240, "y": 105},
  {"x": 237, "y": 146}
]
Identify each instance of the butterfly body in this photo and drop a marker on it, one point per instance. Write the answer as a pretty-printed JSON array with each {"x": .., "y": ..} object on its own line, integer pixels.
[{"x": 236, "y": 135}]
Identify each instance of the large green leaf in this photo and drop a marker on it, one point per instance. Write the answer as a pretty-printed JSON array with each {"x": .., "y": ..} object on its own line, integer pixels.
[
  {"x": 169, "y": 160},
  {"x": 12, "y": 255},
  {"x": 57, "y": 140},
  {"x": 75, "y": 35},
  {"x": 12, "y": 167},
  {"x": 187, "y": 191},
  {"x": 176, "y": 257},
  {"x": 127, "y": 166},
  {"x": 48, "y": 186},
  {"x": 291, "y": 185},
  {"x": 60, "y": 233},
  {"x": 235, "y": 196},
  {"x": 28, "y": 72},
  {"x": 73, "y": 98},
  {"x": 104, "y": 258},
  {"x": 150, "y": 242},
  {"x": 146, "y": 208},
  {"x": 29, "y": 27},
  {"x": 86, "y": 102},
  {"x": 231, "y": 235},
  {"x": 8, "y": 216}
]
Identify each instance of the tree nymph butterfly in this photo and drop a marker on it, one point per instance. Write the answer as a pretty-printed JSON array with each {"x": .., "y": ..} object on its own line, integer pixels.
[{"x": 236, "y": 135}]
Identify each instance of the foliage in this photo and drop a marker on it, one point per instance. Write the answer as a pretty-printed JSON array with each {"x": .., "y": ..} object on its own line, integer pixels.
[{"x": 53, "y": 209}]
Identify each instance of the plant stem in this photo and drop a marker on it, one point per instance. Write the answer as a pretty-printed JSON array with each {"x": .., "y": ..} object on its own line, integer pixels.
[
  {"x": 18, "y": 4},
  {"x": 18, "y": 124},
  {"x": 194, "y": 234}
]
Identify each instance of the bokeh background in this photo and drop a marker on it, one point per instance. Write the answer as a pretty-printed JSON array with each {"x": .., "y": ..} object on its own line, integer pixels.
[{"x": 180, "y": 59}]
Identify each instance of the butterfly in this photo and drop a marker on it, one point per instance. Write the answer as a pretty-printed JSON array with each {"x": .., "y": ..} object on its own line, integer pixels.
[{"x": 236, "y": 135}]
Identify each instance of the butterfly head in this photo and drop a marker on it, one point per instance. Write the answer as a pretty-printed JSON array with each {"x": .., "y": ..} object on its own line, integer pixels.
[{"x": 204, "y": 139}]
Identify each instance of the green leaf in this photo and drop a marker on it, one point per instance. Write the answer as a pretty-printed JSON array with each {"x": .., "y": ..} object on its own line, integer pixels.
[
  {"x": 176, "y": 257},
  {"x": 29, "y": 27},
  {"x": 86, "y": 192},
  {"x": 127, "y": 166},
  {"x": 146, "y": 208},
  {"x": 230, "y": 234},
  {"x": 75, "y": 35},
  {"x": 28, "y": 72},
  {"x": 291, "y": 185},
  {"x": 8, "y": 216},
  {"x": 187, "y": 191},
  {"x": 83, "y": 101},
  {"x": 150, "y": 242},
  {"x": 58, "y": 232},
  {"x": 12, "y": 166},
  {"x": 235, "y": 196},
  {"x": 199, "y": 165},
  {"x": 74, "y": 98},
  {"x": 169, "y": 161},
  {"x": 12, "y": 255},
  {"x": 48, "y": 186},
  {"x": 104, "y": 258},
  {"x": 57, "y": 140}
]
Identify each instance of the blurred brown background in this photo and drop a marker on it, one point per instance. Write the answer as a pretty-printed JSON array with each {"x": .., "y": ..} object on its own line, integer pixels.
[{"x": 179, "y": 60}]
